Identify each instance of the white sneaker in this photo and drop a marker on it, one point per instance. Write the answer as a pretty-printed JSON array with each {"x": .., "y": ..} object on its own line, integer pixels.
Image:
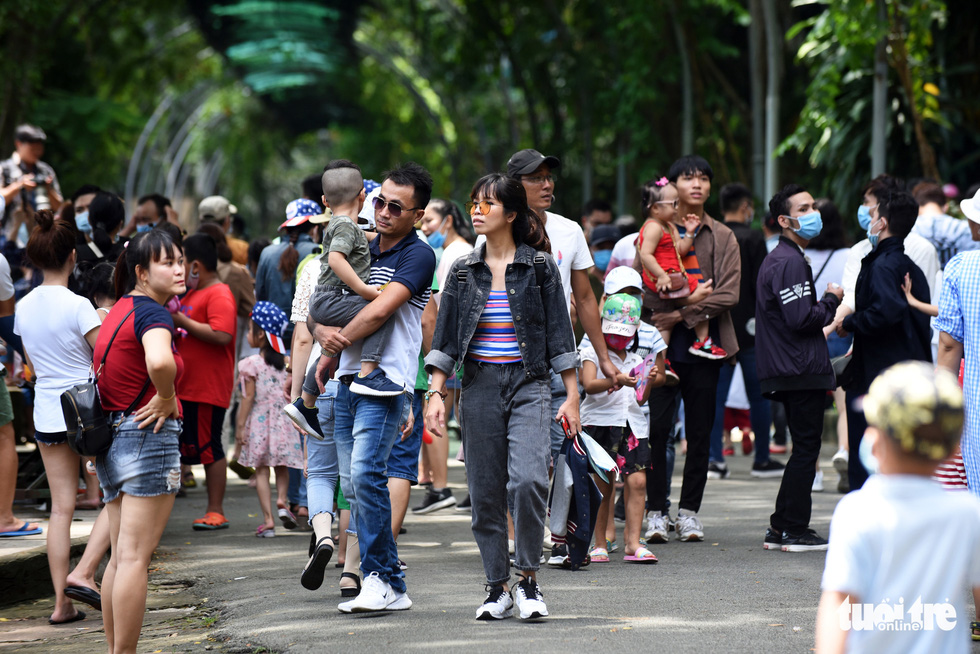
[
  {"x": 656, "y": 528},
  {"x": 376, "y": 594},
  {"x": 510, "y": 546},
  {"x": 399, "y": 601},
  {"x": 497, "y": 606},
  {"x": 529, "y": 601},
  {"x": 689, "y": 528},
  {"x": 547, "y": 543},
  {"x": 817, "y": 482}
]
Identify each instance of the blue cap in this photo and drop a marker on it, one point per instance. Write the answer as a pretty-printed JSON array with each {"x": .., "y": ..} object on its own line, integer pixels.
[{"x": 272, "y": 320}]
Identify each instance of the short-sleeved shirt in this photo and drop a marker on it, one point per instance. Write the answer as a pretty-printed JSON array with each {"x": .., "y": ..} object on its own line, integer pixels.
[
  {"x": 269, "y": 284},
  {"x": 52, "y": 322},
  {"x": 650, "y": 342},
  {"x": 6, "y": 281},
  {"x": 619, "y": 408},
  {"x": 125, "y": 373},
  {"x": 873, "y": 558},
  {"x": 210, "y": 374},
  {"x": 11, "y": 171},
  {"x": 305, "y": 286},
  {"x": 452, "y": 252},
  {"x": 412, "y": 263},
  {"x": 344, "y": 236}
]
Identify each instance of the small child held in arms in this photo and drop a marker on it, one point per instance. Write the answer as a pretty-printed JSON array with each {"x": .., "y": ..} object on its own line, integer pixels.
[
  {"x": 662, "y": 252},
  {"x": 611, "y": 415},
  {"x": 887, "y": 588},
  {"x": 266, "y": 437},
  {"x": 343, "y": 290}
]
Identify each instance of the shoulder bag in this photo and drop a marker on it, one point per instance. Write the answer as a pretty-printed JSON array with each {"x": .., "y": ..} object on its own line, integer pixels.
[{"x": 87, "y": 425}]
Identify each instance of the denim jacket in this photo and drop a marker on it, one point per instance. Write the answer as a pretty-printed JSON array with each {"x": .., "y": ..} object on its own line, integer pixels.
[{"x": 541, "y": 320}]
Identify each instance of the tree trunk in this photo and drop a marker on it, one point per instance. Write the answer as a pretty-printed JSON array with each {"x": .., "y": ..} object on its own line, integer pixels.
[
  {"x": 774, "y": 51},
  {"x": 687, "y": 90},
  {"x": 757, "y": 72},
  {"x": 879, "y": 107}
]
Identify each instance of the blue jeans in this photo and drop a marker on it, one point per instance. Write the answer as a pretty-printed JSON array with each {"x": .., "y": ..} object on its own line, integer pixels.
[
  {"x": 558, "y": 397},
  {"x": 321, "y": 456},
  {"x": 758, "y": 408},
  {"x": 403, "y": 462},
  {"x": 297, "y": 485},
  {"x": 365, "y": 428}
]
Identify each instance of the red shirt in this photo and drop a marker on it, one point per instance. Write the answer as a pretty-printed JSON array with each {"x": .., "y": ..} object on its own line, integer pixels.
[
  {"x": 210, "y": 368},
  {"x": 124, "y": 373}
]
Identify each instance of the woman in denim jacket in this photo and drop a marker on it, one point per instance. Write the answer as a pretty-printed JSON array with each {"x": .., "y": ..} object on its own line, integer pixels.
[{"x": 503, "y": 313}]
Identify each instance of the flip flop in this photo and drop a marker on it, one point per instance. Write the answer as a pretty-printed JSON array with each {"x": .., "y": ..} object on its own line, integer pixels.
[
  {"x": 288, "y": 519},
  {"x": 642, "y": 555},
  {"x": 84, "y": 594},
  {"x": 974, "y": 628},
  {"x": 599, "y": 555},
  {"x": 350, "y": 592},
  {"x": 24, "y": 530},
  {"x": 312, "y": 577},
  {"x": 79, "y": 615},
  {"x": 265, "y": 531},
  {"x": 210, "y": 521}
]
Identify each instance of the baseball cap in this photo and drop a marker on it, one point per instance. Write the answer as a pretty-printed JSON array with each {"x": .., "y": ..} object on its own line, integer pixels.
[
  {"x": 620, "y": 315},
  {"x": 604, "y": 234},
  {"x": 525, "y": 162},
  {"x": 300, "y": 211},
  {"x": 918, "y": 407},
  {"x": 30, "y": 134},
  {"x": 272, "y": 320},
  {"x": 619, "y": 278},
  {"x": 215, "y": 207},
  {"x": 971, "y": 207}
]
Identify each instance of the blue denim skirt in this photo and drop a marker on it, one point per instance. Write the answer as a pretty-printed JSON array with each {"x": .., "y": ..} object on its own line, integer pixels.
[{"x": 139, "y": 462}]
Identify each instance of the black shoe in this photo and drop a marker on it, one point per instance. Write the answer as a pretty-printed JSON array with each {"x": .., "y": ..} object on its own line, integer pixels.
[
  {"x": 767, "y": 470},
  {"x": 308, "y": 420},
  {"x": 312, "y": 577},
  {"x": 808, "y": 541},
  {"x": 559, "y": 556},
  {"x": 464, "y": 506},
  {"x": 434, "y": 500},
  {"x": 718, "y": 470},
  {"x": 773, "y": 540}
]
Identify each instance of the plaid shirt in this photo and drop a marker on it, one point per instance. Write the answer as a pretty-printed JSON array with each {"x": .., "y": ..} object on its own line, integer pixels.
[
  {"x": 12, "y": 172},
  {"x": 959, "y": 316}
]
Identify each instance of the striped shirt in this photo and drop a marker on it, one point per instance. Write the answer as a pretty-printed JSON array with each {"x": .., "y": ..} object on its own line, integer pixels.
[
  {"x": 690, "y": 259},
  {"x": 495, "y": 340}
]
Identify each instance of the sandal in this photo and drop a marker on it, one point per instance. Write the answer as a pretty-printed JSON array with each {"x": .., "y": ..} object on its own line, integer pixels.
[
  {"x": 974, "y": 628},
  {"x": 599, "y": 555},
  {"x": 210, "y": 521},
  {"x": 642, "y": 555},
  {"x": 312, "y": 577},
  {"x": 612, "y": 546},
  {"x": 189, "y": 481},
  {"x": 265, "y": 531},
  {"x": 288, "y": 518},
  {"x": 350, "y": 591}
]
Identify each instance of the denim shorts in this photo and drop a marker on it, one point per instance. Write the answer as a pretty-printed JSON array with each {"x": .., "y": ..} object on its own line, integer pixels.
[
  {"x": 139, "y": 462},
  {"x": 51, "y": 438}
]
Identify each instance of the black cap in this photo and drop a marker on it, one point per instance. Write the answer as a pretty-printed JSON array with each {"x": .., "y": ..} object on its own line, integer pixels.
[
  {"x": 30, "y": 134},
  {"x": 526, "y": 162},
  {"x": 605, "y": 234}
]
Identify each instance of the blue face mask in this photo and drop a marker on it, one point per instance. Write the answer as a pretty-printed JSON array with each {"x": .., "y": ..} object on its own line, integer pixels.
[
  {"x": 81, "y": 222},
  {"x": 143, "y": 228},
  {"x": 810, "y": 225},
  {"x": 868, "y": 459},
  {"x": 864, "y": 217},
  {"x": 436, "y": 239},
  {"x": 873, "y": 238},
  {"x": 601, "y": 258}
]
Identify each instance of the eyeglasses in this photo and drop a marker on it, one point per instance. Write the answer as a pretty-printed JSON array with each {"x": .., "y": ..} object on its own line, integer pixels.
[
  {"x": 539, "y": 179},
  {"x": 394, "y": 208},
  {"x": 484, "y": 206},
  {"x": 672, "y": 203}
]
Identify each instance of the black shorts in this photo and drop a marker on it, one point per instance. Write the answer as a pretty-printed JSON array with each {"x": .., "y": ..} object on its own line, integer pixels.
[
  {"x": 200, "y": 441},
  {"x": 630, "y": 453}
]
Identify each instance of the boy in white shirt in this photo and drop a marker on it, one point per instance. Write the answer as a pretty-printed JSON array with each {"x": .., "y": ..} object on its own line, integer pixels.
[{"x": 887, "y": 588}]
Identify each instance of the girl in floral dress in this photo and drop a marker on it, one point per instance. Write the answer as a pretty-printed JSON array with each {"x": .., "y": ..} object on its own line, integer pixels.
[{"x": 266, "y": 434}]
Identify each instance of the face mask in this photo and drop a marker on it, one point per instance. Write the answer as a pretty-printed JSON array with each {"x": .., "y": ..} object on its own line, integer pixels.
[
  {"x": 810, "y": 225},
  {"x": 140, "y": 229},
  {"x": 193, "y": 279},
  {"x": 436, "y": 239},
  {"x": 81, "y": 222},
  {"x": 873, "y": 238},
  {"x": 864, "y": 217},
  {"x": 868, "y": 460},
  {"x": 617, "y": 341},
  {"x": 601, "y": 259}
]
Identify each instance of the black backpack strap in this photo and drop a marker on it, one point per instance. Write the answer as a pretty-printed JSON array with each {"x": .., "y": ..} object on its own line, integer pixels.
[
  {"x": 539, "y": 268},
  {"x": 146, "y": 384}
]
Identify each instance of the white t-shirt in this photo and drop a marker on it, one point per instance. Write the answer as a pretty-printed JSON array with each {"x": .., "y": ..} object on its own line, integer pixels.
[
  {"x": 568, "y": 247},
  {"x": 624, "y": 252},
  {"x": 830, "y": 264},
  {"x": 6, "y": 281},
  {"x": 52, "y": 321},
  {"x": 651, "y": 342},
  {"x": 920, "y": 251},
  {"x": 619, "y": 408},
  {"x": 455, "y": 250},
  {"x": 875, "y": 557}
]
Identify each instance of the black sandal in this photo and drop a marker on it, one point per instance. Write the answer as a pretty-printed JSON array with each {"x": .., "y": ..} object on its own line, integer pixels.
[
  {"x": 350, "y": 592},
  {"x": 312, "y": 577}
]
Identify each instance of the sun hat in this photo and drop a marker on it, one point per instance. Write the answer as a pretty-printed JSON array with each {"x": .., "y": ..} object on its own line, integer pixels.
[
  {"x": 971, "y": 207},
  {"x": 620, "y": 315},
  {"x": 273, "y": 321}
]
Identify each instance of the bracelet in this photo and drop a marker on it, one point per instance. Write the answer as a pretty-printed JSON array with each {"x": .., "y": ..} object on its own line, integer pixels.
[
  {"x": 167, "y": 399},
  {"x": 442, "y": 394}
]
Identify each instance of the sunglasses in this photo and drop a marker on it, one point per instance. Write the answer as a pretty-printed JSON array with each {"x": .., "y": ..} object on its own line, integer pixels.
[
  {"x": 484, "y": 206},
  {"x": 394, "y": 208}
]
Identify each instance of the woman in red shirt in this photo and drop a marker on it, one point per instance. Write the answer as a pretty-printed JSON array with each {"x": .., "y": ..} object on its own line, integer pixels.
[{"x": 140, "y": 472}]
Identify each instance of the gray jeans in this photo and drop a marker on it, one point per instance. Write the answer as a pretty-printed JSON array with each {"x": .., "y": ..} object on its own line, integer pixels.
[
  {"x": 507, "y": 443},
  {"x": 332, "y": 306}
]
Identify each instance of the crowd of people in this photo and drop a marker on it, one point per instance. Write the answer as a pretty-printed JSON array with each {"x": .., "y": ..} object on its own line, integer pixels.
[{"x": 380, "y": 314}]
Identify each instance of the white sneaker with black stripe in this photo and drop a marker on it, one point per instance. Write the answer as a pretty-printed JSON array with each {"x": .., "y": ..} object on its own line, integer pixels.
[
  {"x": 497, "y": 606},
  {"x": 529, "y": 600}
]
